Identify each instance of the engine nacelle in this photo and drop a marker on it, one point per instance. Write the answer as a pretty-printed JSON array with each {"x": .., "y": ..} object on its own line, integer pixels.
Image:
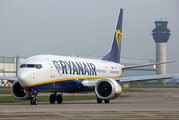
[
  {"x": 17, "y": 91},
  {"x": 107, "y": 89}
]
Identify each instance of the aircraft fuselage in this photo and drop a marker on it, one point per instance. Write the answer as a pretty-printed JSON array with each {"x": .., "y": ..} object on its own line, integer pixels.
[{"x": 64, "y": 74}]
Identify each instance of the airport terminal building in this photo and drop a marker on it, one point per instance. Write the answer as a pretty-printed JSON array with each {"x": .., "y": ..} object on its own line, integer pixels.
[{"x": 10, "y": 65}]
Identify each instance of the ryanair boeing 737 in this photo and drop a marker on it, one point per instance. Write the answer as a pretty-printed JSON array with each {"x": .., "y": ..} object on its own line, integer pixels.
[{"x": 59, "y": 74}]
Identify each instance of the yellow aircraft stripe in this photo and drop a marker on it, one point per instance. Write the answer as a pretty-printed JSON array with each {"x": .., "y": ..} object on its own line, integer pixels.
[
  {"x": 118, "y": 91},
  {"x": 65, "y": 79}
]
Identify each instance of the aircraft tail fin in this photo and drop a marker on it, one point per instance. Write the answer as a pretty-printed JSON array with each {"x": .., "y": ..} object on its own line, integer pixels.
[{"x": 114, "y": 54}]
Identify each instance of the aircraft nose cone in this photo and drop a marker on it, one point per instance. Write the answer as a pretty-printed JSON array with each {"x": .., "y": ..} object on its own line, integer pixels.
[{"x": 24, "y": 77}]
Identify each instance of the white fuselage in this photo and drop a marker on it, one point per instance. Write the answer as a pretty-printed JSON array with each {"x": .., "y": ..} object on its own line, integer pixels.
[{"x": 53, "y": 72}]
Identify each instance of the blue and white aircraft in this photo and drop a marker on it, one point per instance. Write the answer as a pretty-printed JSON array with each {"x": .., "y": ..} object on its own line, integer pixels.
[
  {"x": 175, "y": 80},
  {"x": 60, "y": 74}
]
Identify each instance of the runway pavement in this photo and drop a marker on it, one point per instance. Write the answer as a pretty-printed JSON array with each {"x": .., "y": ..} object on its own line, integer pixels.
[{"x": 152, "y": 103}]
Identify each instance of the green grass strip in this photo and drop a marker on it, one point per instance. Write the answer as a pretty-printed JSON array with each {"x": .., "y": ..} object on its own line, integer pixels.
[
  {"x": 5, "y": 88},
  {"x": 5, "y": 91},
  {"x": 131, "y": 90},
  {"x": 8, "y": 91},
  {"x": 124, "y": 90},
  {"x": 159, "y": 86}
]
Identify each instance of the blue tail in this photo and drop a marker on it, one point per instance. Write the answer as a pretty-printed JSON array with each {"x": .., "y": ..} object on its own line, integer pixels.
[{"x": 114, "y": 54}]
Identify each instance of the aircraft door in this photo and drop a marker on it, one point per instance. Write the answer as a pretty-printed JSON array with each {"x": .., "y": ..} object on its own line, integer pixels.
[
  {"x": 52, "y": 68},
  {"x": 107, "y": 70},
  {"x": 52, "y": 71}
]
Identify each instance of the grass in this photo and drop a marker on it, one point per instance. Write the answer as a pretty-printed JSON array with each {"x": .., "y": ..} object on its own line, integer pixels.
[
  {"x": 10, "y": 99},
  {"x": 5, "y": 90},
  {"x": 124, "y": 90},
  {"x": 134, "y": 88},
  {"x": 2, "y": 87},
  {"x": 131, "y": 90},
  {"x": 159, "y": 86}
]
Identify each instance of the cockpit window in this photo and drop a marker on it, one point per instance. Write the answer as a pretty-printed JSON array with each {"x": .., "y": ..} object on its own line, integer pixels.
[
  {"x": 23, "y": 65},
  {"x": 30, "y": 65},
  {"x": 38, "y": 66}
]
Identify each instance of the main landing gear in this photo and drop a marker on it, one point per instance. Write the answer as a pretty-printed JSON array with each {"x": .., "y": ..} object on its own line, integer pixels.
[
  {"x": 100, "y": 101},
  {"x": 54, "y": 97}
]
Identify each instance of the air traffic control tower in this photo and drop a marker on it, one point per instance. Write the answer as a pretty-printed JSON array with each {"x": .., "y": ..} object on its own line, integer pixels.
[{"x": 161, "y": 35}]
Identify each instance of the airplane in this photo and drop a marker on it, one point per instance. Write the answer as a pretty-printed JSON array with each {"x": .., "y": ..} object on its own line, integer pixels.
[
  {"x": 60, "y": 74},
  {"x": 175, "y": 80}
]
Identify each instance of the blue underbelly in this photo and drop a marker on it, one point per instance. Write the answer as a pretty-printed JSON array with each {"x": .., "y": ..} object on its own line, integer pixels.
[{"x": 71, "y": 86}]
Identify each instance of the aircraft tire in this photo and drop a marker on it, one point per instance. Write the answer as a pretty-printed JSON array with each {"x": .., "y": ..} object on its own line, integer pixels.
[
  {"x": 99, "y": 100},
  {"x": 106, "y": 101},
  {"x": 31, "y": 101},
  {"x": 59, "y": 99},
  {"x": 35, "y": 101},
  {"x": 52, "y": 98}
]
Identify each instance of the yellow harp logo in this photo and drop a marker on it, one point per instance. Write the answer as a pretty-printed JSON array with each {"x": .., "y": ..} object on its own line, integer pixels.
[{"x": 118, "y": 38}]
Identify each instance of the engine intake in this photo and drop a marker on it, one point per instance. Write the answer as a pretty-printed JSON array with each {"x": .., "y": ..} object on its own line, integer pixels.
[
  {"x": 17, "y": 91},
  {"x": 107, "y": 89}
]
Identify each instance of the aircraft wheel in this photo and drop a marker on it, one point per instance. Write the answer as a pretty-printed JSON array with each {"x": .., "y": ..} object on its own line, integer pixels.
[
  {"x": 52, "y": 98},
  {"x": 33, "y": 101},
  {"x": 99, "y": 100},
  {"x": 59, "y": 99},
  {"x": 106, "y": 101}
]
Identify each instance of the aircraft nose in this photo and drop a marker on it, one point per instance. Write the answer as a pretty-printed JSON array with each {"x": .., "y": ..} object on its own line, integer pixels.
[{"x": 24, "y": 76}]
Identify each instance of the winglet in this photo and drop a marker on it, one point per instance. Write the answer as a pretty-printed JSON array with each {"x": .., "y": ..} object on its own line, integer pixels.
[{"x": 114, "y": 54}]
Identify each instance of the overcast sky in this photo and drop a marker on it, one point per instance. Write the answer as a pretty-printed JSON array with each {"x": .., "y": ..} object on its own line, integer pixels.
[{"x": 82, "y": 27}]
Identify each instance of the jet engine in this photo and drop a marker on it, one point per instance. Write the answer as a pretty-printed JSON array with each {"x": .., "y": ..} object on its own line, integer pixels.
[
  {"x": 18, "y": 92},
  {"x": 107, "y": 89}
]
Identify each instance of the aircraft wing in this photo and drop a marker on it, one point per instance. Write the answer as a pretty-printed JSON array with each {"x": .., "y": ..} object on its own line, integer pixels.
[
  {"x": 10, "y": 79},
  {"x": 137, "y": 79},
  {"x": 143, "y": 65}
]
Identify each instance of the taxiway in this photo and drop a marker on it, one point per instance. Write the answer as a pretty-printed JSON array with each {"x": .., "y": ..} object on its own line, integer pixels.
[{"x": 152, "y": 103}]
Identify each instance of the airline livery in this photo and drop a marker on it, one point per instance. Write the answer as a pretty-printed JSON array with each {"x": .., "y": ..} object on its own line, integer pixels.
[{"x": 60, "y": 74}]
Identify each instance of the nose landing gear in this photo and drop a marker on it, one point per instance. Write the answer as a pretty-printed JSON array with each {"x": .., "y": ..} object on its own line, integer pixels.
[
  {"x": 53, "y": 97},
  {"x": 34, "y": 101}
]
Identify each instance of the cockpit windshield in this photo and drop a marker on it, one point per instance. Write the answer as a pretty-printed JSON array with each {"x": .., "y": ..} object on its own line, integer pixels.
[{"x": 38, "y": 66}]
